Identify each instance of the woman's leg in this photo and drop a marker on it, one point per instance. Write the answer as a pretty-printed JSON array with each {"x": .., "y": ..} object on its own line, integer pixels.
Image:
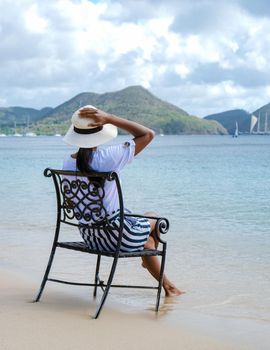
[
  {"x": 152, "y": 262},
  {"x": 152, "y": 227}
]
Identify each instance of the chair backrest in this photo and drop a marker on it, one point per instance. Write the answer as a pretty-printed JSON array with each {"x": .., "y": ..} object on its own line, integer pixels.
[{"x": 80, "y": 197}]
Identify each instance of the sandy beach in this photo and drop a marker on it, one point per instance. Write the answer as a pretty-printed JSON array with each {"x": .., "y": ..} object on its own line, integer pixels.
[
  {"x": 220, "y": 257},
  {"x": 61, "y": 321}
]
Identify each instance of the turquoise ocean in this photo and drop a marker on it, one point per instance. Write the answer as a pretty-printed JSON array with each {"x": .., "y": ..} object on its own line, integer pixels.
[{"x": 215, "y": 190}]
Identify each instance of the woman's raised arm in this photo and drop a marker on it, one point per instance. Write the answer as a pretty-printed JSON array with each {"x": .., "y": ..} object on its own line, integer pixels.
[{"x": 142, "y": 135}]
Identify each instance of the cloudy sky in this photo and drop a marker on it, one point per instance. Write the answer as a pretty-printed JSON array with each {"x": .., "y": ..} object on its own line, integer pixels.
[{"x": 205, "y": 56}]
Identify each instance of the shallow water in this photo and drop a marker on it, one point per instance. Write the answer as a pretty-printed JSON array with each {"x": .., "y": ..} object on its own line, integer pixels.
[{"x": 214, "y": 190}]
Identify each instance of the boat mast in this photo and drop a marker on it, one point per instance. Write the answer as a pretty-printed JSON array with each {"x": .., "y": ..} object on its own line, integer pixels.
[{"x": 259, "y": 123}]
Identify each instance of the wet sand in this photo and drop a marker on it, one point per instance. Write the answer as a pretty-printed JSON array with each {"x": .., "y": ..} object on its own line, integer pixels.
[{"x": 61, "y": 321}]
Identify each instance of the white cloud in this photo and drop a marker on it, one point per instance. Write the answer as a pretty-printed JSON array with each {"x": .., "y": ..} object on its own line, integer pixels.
[
  {"x": 3, "y": 102},
  {"x": 201, "y": 55},
  {"x": 205, "y": 99},
  {"x": 182, "y": 70},
  {"x": 33, "y": 21}
]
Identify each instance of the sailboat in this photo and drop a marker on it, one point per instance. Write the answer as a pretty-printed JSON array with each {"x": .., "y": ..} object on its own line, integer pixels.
[
  {"x": 236, "y": 132},
  {"x": 253, "y": 122}
]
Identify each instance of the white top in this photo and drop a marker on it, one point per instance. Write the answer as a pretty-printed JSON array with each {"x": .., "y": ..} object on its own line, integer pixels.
[{"x": 111, "y": 158}]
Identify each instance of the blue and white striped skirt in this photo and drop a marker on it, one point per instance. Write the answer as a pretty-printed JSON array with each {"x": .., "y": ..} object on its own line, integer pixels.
[{"x": 135, "y": 234}]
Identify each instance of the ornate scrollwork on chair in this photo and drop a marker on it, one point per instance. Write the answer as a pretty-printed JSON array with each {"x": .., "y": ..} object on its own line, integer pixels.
[
  {"x": 83, "y": 200},
  {"x": 80, "y": 202}
]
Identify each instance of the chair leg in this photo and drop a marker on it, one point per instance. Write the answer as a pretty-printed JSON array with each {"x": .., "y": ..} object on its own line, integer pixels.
[
  {"x": 47, "y": 271},
  {"x": 97, "y": 275},
  {"x": 106, "y": 291},
  {"x": 161, "y": 278}
]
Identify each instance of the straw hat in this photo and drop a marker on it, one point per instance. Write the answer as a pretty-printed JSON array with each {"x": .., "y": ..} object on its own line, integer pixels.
[{"x": 84, "y": 136}]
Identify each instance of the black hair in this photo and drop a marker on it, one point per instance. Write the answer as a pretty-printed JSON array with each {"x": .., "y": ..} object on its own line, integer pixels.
[{"x": 84, "y": 157}]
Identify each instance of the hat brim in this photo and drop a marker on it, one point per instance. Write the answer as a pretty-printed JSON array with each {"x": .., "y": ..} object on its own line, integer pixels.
[{"x": 107, "y": 133}]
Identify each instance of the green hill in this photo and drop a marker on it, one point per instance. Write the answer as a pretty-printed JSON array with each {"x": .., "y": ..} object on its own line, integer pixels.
[
  {"x": 134, "y": 103},
  {"x": 21, "y": 117},
  {"x": 229, "y": 118}
]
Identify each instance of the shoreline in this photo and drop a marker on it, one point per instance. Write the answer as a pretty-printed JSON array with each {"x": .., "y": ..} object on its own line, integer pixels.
[
  {"x": 61, "y": 321},
  {"x": 220, "y": 257}
]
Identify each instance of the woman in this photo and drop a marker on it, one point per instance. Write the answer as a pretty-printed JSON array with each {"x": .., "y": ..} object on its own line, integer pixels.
[{"x": 90, "y": 128}]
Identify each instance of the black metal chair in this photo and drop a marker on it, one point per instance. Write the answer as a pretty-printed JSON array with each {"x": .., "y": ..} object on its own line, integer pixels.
[{"x": 80, "y": 196}]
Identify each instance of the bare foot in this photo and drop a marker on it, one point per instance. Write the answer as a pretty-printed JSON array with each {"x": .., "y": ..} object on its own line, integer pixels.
[{"x": 172, "y": 291}]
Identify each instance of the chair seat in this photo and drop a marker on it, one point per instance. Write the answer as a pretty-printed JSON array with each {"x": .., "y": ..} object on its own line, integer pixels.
[
  {"x": 80, "y": 198},
  {"x": 82, "y": 247}
]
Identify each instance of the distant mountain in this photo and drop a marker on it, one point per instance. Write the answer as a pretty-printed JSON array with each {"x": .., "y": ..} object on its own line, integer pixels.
[
  {"x": 20, "y": 116},
  {"x": 229, "y": 118},
  {"x": 134, "y": 103},
  {"x": 262, "y": 110}
]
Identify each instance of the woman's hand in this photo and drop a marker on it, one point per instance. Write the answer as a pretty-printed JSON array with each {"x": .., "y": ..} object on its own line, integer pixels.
[
  {"x": 97, "y": 116},
  {"x": 142, "y": 135}
]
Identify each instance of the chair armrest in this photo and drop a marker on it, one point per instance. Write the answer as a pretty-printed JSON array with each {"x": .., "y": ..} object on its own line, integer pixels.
[{"x": 162, "y": 224}]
